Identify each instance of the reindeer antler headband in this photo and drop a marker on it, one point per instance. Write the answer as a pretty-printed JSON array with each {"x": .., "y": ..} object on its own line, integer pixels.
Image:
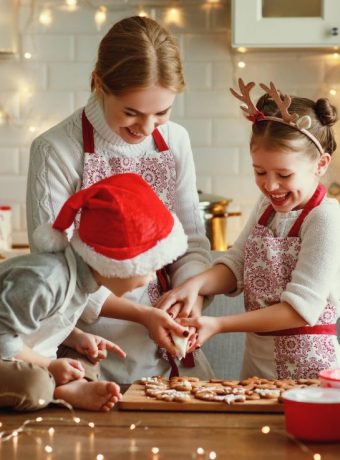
[{"x": 253, "y": 114}]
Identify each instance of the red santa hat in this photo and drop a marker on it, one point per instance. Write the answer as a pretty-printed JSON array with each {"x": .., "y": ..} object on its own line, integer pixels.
[{"x": 124, "y": 228}]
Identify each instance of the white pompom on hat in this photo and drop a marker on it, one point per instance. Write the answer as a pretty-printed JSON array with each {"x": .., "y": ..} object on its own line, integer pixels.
[{"x": 124, "y": 228}]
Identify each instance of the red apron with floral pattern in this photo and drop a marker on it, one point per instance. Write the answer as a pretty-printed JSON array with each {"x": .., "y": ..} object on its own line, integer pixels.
[
  {"x": 159, "y": 171},
  {"x": 269, "y": 263}
]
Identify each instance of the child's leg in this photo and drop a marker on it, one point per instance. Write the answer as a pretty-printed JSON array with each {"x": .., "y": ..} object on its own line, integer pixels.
[
  {"x": 25, "y": 386},
  {"x": 87, "y": 393},
  {"x": 81, "y": 394}
]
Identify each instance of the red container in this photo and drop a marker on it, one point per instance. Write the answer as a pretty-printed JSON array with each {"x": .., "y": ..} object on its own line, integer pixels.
[
  {"x": 313, "y": 414},
  {"x": 330, "y": 378}
]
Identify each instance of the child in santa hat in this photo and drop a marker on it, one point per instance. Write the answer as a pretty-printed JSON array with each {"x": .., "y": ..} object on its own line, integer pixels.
[{"x": 125, "y": 233}]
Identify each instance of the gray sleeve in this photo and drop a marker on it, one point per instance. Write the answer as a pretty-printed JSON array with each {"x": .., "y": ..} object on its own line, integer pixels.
[{"x": 25, "y": 299}]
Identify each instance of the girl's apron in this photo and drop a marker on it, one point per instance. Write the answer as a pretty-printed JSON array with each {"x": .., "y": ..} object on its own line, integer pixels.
[
  {"x": 143, "y": 357},
  {"x": 54, "y": 329},
  {"x": 269, "y": 262}
]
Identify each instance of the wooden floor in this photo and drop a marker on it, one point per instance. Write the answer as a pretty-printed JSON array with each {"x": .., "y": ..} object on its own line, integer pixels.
[{"x": 131, "y": 435}]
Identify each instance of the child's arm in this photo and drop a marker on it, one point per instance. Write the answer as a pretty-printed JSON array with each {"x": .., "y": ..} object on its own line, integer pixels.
[
  {"x": 158, "y": 322},
  {"x": 273, "y": 318},
  {"x": 63, "y": 370},
  {"x": 92, "y": 346}
]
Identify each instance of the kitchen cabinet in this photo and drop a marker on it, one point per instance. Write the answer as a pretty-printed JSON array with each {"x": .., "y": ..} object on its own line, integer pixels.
[
  {"x": 285, "y": 23},
  {"x": 8, "y": 27}
]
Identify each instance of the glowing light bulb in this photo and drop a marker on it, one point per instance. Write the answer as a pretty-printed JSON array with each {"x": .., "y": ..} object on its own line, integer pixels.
[
  {"x": 133, "y": 426},
  {"x": 200, "y": 451},
  {"x": 335, "y": 55},
  {"x": 71, "y": 4},
  {"x": 91, "y": 424},
  {"x": 142, "y": 13},
  {"x": 241, "y": 64},
  {"x": 100, "y": 457},
  {"x": 45, "y": 17},
  {"x": 100, "y": 16},
  {"x": 332, "y": 92},
  {"x": 48, "y": 449},
  {"x": 155, "y": 450},
  {"x": 316, "y": 457},
  {"x": 242, "y": 50},
  {"x": 174, "y": 16},
  {"x": 212, "y": 455},
  {"x": 38, "y": 419}
]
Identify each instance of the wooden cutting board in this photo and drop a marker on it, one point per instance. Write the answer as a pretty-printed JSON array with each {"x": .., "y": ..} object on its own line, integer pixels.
[{"x": 135, "y": 399}]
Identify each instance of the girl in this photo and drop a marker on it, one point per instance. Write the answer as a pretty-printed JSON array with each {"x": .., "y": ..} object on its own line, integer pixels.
[
  {"x": 123, "y": 128},
  {"x": 287, "y": 258}
]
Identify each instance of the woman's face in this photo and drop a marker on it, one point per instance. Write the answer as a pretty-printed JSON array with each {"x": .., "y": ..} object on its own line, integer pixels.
[{"x": 135, "y": 114}]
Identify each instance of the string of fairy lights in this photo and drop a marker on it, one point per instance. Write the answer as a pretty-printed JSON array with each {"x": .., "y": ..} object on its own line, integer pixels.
[{"x": 32, "y": 427}]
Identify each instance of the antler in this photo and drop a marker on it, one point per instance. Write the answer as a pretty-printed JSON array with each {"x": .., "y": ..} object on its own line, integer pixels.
[
  {"x": 282, "y": 105},
  {"x": 249, "y": 108}
]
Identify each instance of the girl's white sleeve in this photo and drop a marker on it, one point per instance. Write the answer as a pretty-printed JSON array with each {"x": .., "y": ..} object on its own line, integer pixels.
[
  {"x": 233, "y": 258},
  {"x": 315, "y": 278},
  {"x": 197, "y": 258},
  {"x": 54, "y": 174}
]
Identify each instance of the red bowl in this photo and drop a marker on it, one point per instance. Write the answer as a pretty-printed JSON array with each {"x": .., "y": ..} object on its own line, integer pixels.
[
  {"x": 313, "y": 414},
  {"x": 330, "y": 378}
]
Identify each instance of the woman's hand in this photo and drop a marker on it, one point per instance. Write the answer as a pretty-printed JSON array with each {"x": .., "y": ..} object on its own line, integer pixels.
[
  {"x": 96, "y": 347},
  {"x": 65, "y": 370}
]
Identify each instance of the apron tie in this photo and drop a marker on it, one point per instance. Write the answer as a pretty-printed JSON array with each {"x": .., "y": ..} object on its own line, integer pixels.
[{"x": 324, "y": 329}]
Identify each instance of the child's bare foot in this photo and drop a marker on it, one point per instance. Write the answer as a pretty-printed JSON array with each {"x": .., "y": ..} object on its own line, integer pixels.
[{"x": 82, "y": 394}]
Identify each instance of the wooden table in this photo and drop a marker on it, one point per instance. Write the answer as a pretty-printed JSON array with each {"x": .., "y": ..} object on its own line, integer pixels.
[{"x": 131, "y": 435}]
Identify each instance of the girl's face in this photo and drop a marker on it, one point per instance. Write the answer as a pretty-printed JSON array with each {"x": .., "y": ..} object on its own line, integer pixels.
[
  {"x": 287, "y": 178},
  {"x": 134, "y": 115}
]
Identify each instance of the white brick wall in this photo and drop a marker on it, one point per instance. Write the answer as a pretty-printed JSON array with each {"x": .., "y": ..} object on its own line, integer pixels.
[{"x": 41, "y": 91}]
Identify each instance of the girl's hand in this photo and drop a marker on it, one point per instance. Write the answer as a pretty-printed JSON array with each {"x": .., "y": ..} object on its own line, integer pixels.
[
  {"x": 206, "y": 327},
  {"x": 159, "y": 324},
  {"x": 65, "y": 370},
  {"x": 96, "y": 347}
]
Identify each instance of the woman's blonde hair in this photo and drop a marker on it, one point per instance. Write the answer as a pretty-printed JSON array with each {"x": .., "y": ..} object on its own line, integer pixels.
[
  {"x": 275, "y": 135},
  {"x": 138, "y": 53}
]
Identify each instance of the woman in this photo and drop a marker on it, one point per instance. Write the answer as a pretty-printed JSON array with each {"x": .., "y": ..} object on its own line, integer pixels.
[{"x": 125, "y": 127}]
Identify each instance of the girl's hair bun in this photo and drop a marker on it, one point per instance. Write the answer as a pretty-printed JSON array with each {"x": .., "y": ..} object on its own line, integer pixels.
[{"x": 326, "y": 112}]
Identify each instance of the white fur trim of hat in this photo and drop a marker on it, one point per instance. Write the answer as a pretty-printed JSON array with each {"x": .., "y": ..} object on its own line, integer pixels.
[{"x": 163, "y": 253}]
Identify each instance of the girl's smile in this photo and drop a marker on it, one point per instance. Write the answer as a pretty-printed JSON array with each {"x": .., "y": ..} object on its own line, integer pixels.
[{"x": 287, "y": 178}]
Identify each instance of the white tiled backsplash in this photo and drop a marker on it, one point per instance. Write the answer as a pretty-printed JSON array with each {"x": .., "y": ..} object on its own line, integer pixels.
[{"x": 39, "y": 92}]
